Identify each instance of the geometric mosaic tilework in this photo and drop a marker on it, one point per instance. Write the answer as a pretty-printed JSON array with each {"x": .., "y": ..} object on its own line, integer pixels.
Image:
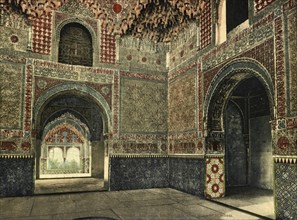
[
  {"x": 138, "y": 172},
  {"x": 286, "y": 191},
  {"x": 16, "y": 176},
  {"x": 215, "y": 183},
  {"x": 42, "y": 34},
  {"x": 260, "y": 4},
  {"x": 205, "y": 24},
  {"x": 107, "y": 47},
  {"x": 187, "y": 174}
]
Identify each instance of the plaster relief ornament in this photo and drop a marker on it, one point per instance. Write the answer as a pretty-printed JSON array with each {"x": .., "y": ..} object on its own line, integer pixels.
[{"x": 157, "y": 20}]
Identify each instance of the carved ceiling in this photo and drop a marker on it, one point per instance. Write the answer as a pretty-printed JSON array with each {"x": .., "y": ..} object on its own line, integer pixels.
[{"x": 158, "y": 20}]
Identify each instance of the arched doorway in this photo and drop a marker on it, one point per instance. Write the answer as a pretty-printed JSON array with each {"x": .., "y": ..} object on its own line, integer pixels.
[
  {"x": 239, "y": 107},
  {"x": 71, "y": 121}
]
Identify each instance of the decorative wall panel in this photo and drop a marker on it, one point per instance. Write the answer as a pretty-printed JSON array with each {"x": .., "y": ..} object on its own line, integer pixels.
[
  {"x": 14, "y": 31},
  {"x": 11, "y": 95},
  {"x": 138, "y": 173},
  {"x": 16, "y": 176},
  {"x": 286, "y": 190},
  {"x": 205, "y": 24},
  {"x": 143, "y": 106},
  {"x": 107, "y": 47},
  {"x": 42, "y": 34},
  {"x": 70, "y": 72},
  {"x": 292, "y": 44},
  {"x": 215, "y": 177},
  {"x": 182, "y": 102},
  {"x": 260, "y": 4},
  {"x": 187, "y": 174},
  {"x": 280, "y": 68}
]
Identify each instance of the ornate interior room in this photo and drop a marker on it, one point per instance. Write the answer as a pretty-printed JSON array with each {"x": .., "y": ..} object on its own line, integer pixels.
[{"x": 197, "y": 97}]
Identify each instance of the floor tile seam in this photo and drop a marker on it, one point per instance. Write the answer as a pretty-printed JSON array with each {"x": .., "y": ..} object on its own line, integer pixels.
[
  {"x": 32, "y": 207},
  {"x": 119, "y": 217},
  {"x": 190, "y": 214}
]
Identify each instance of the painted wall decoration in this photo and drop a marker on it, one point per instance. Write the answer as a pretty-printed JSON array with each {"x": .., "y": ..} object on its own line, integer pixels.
[
  {"x": 292, "y": 58},
  {"x": 142, "y": 106},
  {"x": 215, "y": 177},
  {"x": 182, "y": 102},
  {"x": 11, "y": 95}
]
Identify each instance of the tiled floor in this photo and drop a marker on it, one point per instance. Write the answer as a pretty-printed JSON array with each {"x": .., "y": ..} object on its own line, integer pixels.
[{"x": 150, "y": 204}]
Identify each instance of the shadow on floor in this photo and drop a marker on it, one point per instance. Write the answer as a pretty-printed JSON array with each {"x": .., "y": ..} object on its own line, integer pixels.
[
  {"x": 50, "y": 186},
  {"x": 250, "y": 199}
]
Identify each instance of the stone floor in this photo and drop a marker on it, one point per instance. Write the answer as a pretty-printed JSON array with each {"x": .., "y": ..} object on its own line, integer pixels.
[
  {"x": 255, "y": 200},
  {"x": 150, "y": 204}
]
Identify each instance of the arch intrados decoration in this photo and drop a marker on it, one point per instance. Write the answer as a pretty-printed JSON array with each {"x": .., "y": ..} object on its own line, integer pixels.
[
  {"x": 75, "y": 89},
  {"x": 224, "y": 83},
  {"x": 74, "y": 124}
]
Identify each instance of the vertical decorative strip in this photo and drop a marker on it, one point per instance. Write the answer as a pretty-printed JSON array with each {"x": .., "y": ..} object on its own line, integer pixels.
[
  {"x": 215, "y": 177},
  {"x": 280, "y": 67},
  {"x": 205, "y": 26},
  {"x": 200, "y": 98},
  {"x": 116, "y": 105},
  {"x": 28, "y": 98}
]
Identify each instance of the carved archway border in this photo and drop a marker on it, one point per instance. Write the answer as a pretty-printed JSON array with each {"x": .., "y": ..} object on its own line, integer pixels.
[
  {"x": 75, "y": 88},
  {"x": 57, "y": 32},
  {"x": 227, "y": 79}
]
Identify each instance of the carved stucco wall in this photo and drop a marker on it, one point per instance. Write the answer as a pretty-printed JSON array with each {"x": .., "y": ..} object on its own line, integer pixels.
[
  {"x": 11, "y": 95},
  {"x": 182, "y": 102},
  {"x": 143, "y": 106}
]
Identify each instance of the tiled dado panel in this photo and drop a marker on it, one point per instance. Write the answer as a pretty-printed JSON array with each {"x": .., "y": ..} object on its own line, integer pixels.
[
  {"x": 143, "y": 106},
  {"x": 138, "y": 172},
  {"x": 286, "y": 189},
  {"x": 42, "y": 34},
  {"x": 16, "y": 176},
  {"x": 182, "y": 101},
  {"x": 215, "y": 177},
  {"x": 187, "y": 174}
]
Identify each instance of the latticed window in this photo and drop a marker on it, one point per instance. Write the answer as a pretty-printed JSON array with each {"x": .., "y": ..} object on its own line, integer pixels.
[{"x": 75, "y": 46}]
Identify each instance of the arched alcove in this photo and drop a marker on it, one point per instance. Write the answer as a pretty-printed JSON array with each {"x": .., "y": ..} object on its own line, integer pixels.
[
  {"x": 88, "y": 118},
  {"x": 238, "y": 111}
]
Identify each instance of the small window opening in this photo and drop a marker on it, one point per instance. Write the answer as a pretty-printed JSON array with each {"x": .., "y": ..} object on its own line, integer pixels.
[{"x": 75, "y": 46}]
